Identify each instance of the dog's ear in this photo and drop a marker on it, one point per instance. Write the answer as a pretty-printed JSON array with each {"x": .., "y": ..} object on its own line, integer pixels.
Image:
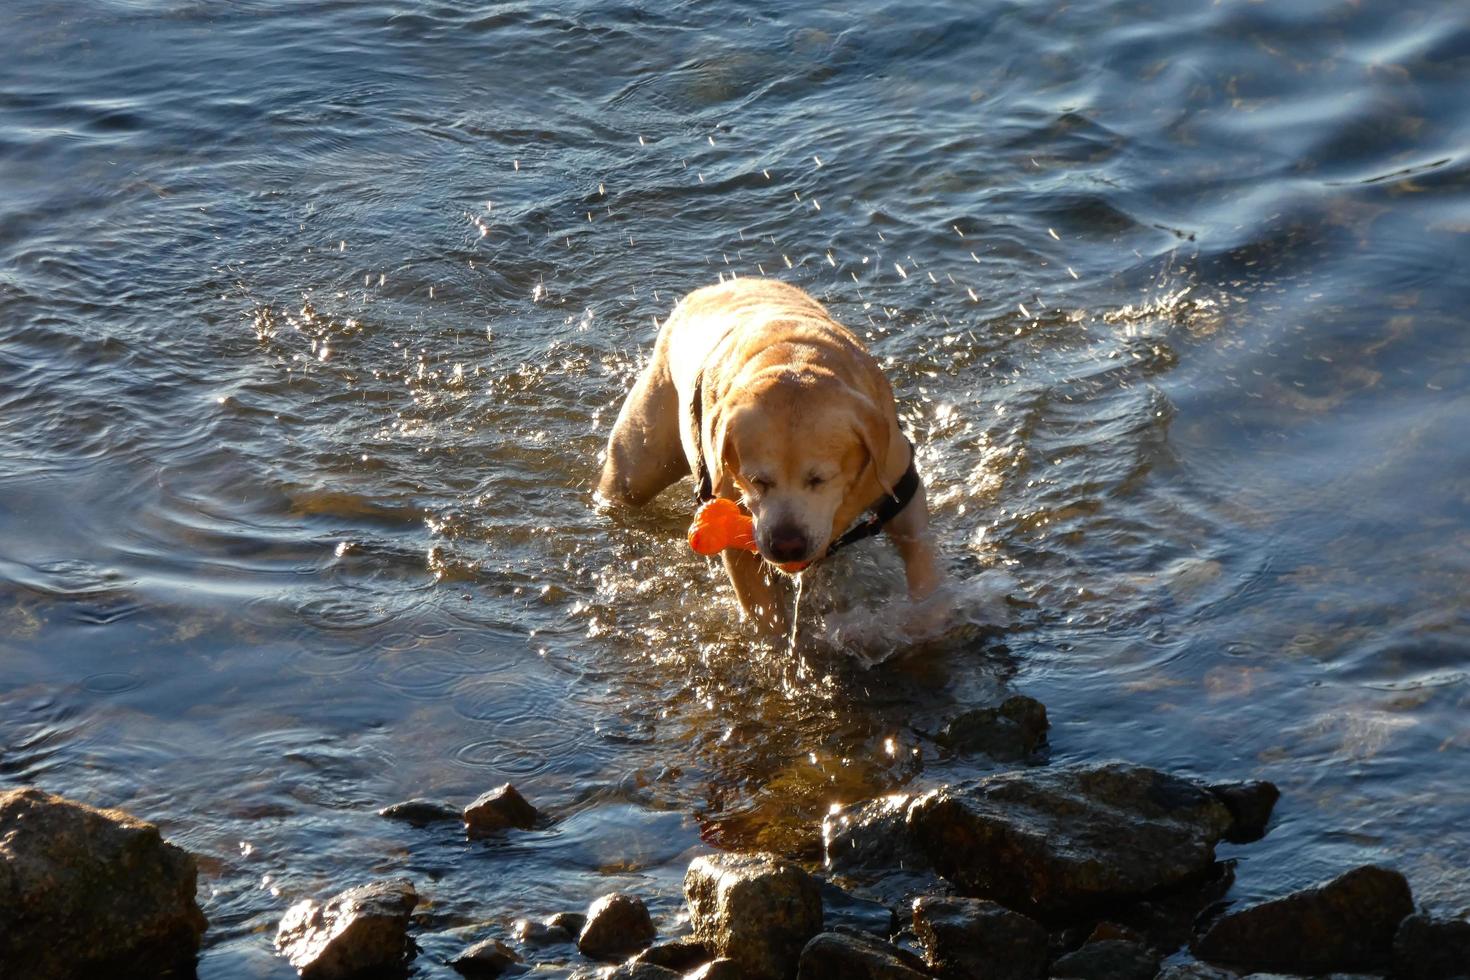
[
  {"x": 874, "y": 429},
  {"x": 719, "y": 452}
]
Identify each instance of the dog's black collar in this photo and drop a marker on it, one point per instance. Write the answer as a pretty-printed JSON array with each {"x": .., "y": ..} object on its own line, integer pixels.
[{"x": 874, "y": 518}]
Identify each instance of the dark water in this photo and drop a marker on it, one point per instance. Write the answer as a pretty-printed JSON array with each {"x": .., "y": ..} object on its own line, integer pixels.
[{"x": 314, "y": 317}]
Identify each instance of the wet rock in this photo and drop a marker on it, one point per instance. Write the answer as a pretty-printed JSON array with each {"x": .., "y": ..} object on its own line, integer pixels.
[
  {"x": 678, "y": 955},
  {"x": 856, "y": 956},
  {"x": 361, "y": 931},
  {"x": 534, "y": 933},
  {"x": 1345, "y": 924},
  {"x": 87, "y": 892},
  {"x": 490, "y": 958},
  {"x": 569, "y": 922},
  {"x": 1055, "y": 842},
  {"x": 1108, "y": 959},
  {"x": 1425, "y": 948},
  {"x": 421, "y": 813},
  {"x": 841, "y": 908},
  {"x": 972, "y": 937},
  {"x": 721, "y": 969},
  {"x": 1105, "y": 931},
  {"x": 1193, "y": 971},
  {"x": 1014, "y": 731},
  {"x": 633, "y": 970},
  {"x": 755, "y": 909},
  {"x": 500, "y": 809},
  {"x": 1250, "y": 805},
  {"x": 617, "y": 925}
]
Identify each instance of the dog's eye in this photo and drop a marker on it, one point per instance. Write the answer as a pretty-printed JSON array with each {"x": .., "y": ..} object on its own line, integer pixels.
[
  {"x": 815, "y": 481},
  {"x": 759, "y": 485}
]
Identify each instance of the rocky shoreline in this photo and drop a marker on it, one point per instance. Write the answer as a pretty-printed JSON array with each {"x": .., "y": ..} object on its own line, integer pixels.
[{"x": 1091, "y": 872}]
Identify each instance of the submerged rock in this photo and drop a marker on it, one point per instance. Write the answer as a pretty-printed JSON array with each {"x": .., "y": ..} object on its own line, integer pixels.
[
  {"x": 633, "y": 970},
  {"x": 569, "y": 922},
  {"x": 856, "y": 956},
  {"x": 972, "y": 937},
  {"x": 421, "y": 813},
  {"x": 1425, "y": 948},
  {"x": 534, "y": 933},
  {"x": 1108, "y": 959},
  {"x": 1056, "y": 842},
  {"x": 361, "y": 931},
  {"x": 489, "y": 958},
  {"x": 1343, "y": 925},
  {"x": 500, "y": 809},
  {"x": 1250, "y": 805},
  {"x": 1013, "y": 731},
  {"x": 90, "y": 893},
  {"x": 755, "y": 909},
  {"x": 843, "y": 909},
  {"x": 617, "y": 925},
  {"x": 1193, "y": 971}
]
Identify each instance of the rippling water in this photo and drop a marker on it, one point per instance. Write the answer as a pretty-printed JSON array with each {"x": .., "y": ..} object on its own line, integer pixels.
[{"x": 314, "y": 317}]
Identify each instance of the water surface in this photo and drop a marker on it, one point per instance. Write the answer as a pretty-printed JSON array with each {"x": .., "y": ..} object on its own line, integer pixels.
[{"x": 314, "y": 317}]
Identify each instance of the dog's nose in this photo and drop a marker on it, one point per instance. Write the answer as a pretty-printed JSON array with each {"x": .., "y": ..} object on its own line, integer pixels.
[{"x": 786, "y": 544}]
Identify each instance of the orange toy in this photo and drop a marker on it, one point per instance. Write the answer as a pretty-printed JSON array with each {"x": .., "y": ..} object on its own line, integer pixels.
[{"x": 720, "y": 524}]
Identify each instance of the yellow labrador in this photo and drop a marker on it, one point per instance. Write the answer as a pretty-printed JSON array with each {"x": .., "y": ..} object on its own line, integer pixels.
[{"x": 766, "y": 400}]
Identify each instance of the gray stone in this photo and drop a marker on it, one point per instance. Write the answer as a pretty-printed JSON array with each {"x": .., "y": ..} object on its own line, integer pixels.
[
  {"x": 856, "y": 956},
  {"x": 1345, "y": 924},
  {"x": 678, "y": 955},
  {"x": 91, "y": 893},
  {"x": 1426, "y": 948},
  {"x": 534, "y": 933},
  {"x": 1108, "y": 959},
  {"x": 617, "y": 925},
  {"x": 721, "y": 969},
  {"x": 1250, "y": 805},
  {"x": 498, "y": 810},
  {"x": 970, "y": 937},
  {"x": 362, "y": 930},
  {"x": 755, "y": 909},
  {"x": 1014, "y": 731},
  {"x": 1058, "y": 842},
  {"x": 421, "y": 813},
  {"x": 489, "y": 958}
]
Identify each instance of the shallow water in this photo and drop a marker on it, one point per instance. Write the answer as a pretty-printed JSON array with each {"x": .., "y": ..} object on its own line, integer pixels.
[{"x": 314, "y": 317}]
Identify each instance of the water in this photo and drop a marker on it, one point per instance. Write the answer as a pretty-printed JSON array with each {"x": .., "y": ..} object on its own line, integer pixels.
[{"x": 314, "y": 317}]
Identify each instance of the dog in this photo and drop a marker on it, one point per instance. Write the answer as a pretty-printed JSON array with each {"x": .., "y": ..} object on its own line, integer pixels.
[{"x": 766, "y": 400}]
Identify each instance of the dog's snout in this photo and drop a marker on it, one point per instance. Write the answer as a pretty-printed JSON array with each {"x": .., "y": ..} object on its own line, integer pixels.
[{"x": 787, "y": 543}]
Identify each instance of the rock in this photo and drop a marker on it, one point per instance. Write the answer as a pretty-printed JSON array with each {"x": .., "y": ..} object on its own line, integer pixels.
[
  {"x": 91, "y": 893},
  {"x": 617, "y": 925},
  {"x": 569, "y": 922},
  {"x": 840, "y": 908},
  {"x": 1250, "y": 805},
  {"x": 421, "y": 813},
  {"x": 1012, "y": 732},
  {"x": 498, "y": 810},
  {"x": 489, "y": 958},
  {"x": 1056, "y": 842},
  {"x": 1345, "y": 924},
  {"x": 721, "y": 969},
  {"x": 856, "y": 956},
  {"x": 678, "y": 955},
  {"x": 1108, "y": 959},
  {"x": 1193, "y": 971},
  {"x": 971, "y": 937},
  {"x": 362, "y": 930},
  {"x": 633, "y": 970},
  {"x": 534, "y": 933},
  {"x": 1425, "y": 948},
  {"x": 755, "y": 909},
  {"x": 1104, "y": 931}
]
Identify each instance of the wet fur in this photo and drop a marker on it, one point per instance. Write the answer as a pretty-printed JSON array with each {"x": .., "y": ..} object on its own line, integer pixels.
[{"x": 788, "y": 395}]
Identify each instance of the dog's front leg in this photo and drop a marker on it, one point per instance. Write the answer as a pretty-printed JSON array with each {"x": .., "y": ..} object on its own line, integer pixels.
[
  {"x": 761, "y": 596},
  {"x": 910, "y": 534}
]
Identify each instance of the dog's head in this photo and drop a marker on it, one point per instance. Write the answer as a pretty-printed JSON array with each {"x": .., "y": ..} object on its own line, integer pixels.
[{"x": 807, "y": 453}]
